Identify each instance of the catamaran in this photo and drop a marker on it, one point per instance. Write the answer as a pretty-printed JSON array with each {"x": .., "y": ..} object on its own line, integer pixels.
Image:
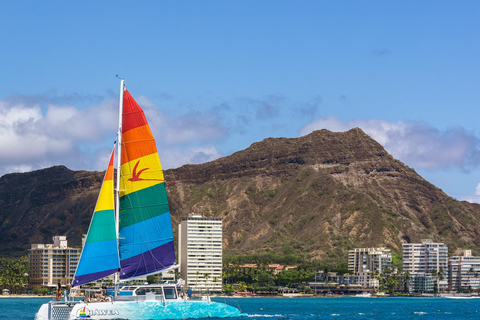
[{"x": 130, "y": 236}]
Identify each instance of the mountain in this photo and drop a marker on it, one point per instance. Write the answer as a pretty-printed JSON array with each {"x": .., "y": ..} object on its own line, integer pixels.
[{"x": 318, "y": 195}]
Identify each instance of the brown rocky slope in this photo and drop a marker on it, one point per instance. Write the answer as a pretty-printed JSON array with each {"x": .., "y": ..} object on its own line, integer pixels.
[{"x": 318, "y": 195}]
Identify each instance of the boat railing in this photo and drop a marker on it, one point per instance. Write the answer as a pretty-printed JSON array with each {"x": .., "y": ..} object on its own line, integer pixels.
[
  {"x": 229, "y": 301},
  {"x": 96, "y": 295}
]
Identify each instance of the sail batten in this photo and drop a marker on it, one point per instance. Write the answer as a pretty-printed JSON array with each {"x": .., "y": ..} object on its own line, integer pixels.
[{"x": 145, "y": 230}]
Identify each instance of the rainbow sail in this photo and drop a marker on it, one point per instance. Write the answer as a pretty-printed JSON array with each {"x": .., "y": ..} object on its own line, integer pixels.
[
  {"x": 145, "y": 228},
  {"x": 100, "y": 254}
]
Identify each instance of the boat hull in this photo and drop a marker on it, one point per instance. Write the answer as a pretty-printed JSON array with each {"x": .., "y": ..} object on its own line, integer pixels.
[{"x": 143, "y": 310}]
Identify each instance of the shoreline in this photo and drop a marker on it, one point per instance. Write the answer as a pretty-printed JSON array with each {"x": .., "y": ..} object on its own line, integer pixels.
[{"x": 24, "y": 296}]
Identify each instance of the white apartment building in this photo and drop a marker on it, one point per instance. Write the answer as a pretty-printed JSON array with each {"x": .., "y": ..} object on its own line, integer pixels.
[
  {"x": 424, "y": 257},
  {"x": 366, "y": 280},
  {"x": 52, "y": 263},
  {"x": 362, "y": 260},
  {"x": 200, "y": 252},
  {"x": 464, "y": 271}
]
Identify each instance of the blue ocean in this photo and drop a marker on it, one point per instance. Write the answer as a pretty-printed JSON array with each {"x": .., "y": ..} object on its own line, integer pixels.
[{"x": 308, "y": 308}]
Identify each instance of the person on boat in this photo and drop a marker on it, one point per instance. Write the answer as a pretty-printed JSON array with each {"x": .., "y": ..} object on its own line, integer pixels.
[
  {"x": 58, "y": 294},
  {"x": 180, "y": 282}
]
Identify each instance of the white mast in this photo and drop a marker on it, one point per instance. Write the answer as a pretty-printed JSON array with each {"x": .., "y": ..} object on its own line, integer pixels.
[{"x": 119, "y": 164}]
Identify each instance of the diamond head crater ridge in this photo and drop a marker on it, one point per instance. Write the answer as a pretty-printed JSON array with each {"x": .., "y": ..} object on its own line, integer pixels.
[{"x": 316, "y": 196}]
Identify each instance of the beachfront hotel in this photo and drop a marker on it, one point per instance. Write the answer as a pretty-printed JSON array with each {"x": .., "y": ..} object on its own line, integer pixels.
[
  {"x": 200, "y": 252},
  {"x": 51, "y": 264},
  {"x": 464, "y": 272},
  {"x": 418, "y": 258},
  {"x": 427, "y": 263},
  {"x": 362, "y": 260}
]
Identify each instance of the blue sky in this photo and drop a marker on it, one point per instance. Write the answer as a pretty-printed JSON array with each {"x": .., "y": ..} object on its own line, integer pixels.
[{"x": 216, "y": 76}]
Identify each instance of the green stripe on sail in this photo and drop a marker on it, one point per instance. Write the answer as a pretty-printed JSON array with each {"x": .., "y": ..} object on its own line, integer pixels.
[
  {"x": 103, "y": 227},
  {"x": 143, "y": 205}
]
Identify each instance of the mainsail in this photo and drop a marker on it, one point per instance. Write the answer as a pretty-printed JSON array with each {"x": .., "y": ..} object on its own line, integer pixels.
[
  {"x": 100, "y": 254},
  {"x": 145, "y": 228}
]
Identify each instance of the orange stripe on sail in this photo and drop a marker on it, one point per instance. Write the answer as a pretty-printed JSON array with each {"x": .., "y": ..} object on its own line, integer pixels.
[
  {"x": 137, "y": 143},
  {"x": 109, "y": 174}
]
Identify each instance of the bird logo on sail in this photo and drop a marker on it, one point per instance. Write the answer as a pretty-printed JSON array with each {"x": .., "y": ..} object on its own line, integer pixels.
[{"x": 136, "y": 175}]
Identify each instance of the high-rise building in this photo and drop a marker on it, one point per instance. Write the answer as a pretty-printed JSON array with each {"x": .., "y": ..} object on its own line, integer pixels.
[
  {"x": 426, "y": 261},
  {"x": 51, "y": 264},
  {"x": 424, "y": 257},
  {"x": 200, "y": 252},
  {"x": 369, "y": 260},
  {"x": 464, "y": 271}
]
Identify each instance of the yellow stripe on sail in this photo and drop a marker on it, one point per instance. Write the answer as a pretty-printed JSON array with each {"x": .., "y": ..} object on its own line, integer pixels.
[
  {"x": 140, "y": 174},
  {"x": 105, "y": 198}
]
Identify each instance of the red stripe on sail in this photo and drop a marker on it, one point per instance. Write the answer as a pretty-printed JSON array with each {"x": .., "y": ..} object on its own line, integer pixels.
[{"x": 133, "y": 115}]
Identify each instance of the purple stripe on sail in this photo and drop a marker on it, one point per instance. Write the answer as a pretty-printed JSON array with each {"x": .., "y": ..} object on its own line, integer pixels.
[
  {"x": 86, "y": 278},
  {"x": 148, "y": 262}
]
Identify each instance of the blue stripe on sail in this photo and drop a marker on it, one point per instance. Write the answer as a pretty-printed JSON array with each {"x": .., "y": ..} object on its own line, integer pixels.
[
  {"x": 98, "y": 257},
  {"x": 79, "y": 280},
  {"x": 145, "y": 236}
]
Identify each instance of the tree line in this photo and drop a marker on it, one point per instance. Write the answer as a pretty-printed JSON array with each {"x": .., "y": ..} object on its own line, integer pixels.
[{"x": 14, "y": 274}]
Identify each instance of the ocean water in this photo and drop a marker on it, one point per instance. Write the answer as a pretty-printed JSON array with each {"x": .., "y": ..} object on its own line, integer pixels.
[
  {"x": 360, "y": 308},
  {"x": 308, "y": 308}
]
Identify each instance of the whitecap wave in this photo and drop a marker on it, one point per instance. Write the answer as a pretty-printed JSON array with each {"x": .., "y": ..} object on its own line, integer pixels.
[{"x": 421, "y": 313}]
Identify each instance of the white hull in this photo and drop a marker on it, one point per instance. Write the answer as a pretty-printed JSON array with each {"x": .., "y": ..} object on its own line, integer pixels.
[{"x": 142, "y": 310}]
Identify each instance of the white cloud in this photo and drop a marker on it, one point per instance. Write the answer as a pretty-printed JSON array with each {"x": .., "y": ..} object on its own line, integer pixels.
[
  {"x": 82, "y": 138},
  {"x": 415, "y": 143},
  {"x": 174, "y": 158},
  {"x": 474, "y": 198},
  {"x": 30, "y": 139},
  {"x": 185, "y": 129}
]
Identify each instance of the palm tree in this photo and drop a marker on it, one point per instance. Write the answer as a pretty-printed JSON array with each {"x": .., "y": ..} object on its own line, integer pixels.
[
  {"x": 197, "y": 280},
  {"x": 206, "y": 276},
  {"x": 215, "y": 279},
  {"x": 406, "y": 279}
]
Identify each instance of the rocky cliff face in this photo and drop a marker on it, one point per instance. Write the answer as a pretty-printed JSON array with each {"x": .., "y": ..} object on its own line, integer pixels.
[
  {"x": 37, "y": 205},
  {"x": 320, "y": 194}
]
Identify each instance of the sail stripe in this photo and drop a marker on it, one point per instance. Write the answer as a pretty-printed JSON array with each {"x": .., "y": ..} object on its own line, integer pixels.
[
  {"x": 133, "y": 115},
  {"x": 143, "y": 204},
  {"x": 154, "y": 261},
  {"x": 109, "y": 172},
  {"x": 92, "y": 263},
  {"x": 90, "y": 277},
  {"x": 150, "y": 241},
  {"x": 140, "y": 174},
  {"x": 105, "y": 199},
  {"x": 143, "y": 145},
  {"x": 99, "y": 256},
  {"x": 102, "y": 232}
]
